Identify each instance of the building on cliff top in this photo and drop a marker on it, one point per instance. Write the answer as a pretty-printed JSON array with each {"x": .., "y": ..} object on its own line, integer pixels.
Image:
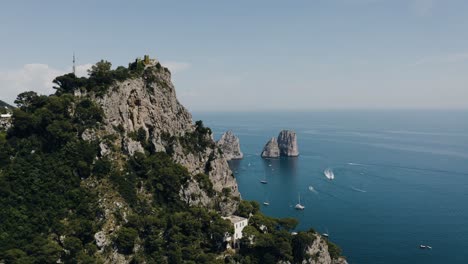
[{"x": 239, "y": 224}]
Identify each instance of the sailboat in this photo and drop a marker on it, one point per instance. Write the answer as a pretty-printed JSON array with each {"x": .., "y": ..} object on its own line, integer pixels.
[
  {"x": 264, "y": 181},
  {"x": 299, "y": 206}
]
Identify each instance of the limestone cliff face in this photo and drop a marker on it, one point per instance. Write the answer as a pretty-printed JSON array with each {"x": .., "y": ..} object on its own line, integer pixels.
[
  {"x": 287, "y": 143},
  {"x": 271, "y": 149},
  {"x": 5, "y": 123},
  {"x": 230, "y": 145},
  {"x": 318, "y": 254},
  {"x": 147, "y": 107},
  {"x": 152, "y": 106}
]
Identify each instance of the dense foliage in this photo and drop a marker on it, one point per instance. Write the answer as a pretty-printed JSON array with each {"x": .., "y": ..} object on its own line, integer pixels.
[{"x": 43, "y": 163}]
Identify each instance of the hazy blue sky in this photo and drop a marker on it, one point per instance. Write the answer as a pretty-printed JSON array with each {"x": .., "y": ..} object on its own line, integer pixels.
[{"x": 252, "y": 55}]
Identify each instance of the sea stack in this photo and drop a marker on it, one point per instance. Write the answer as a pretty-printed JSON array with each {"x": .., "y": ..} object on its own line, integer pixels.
[
  {"x": 285, "y": 145},
  {"x": 229, "y": 144},
  {"x": 271, "y": 149}
]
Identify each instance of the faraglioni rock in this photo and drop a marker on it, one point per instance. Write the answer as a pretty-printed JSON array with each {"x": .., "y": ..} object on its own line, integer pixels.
[
  {"x": 271, "y": 149},
  {"x": 287, "y": 143},
  {"x": 230, "y": 145}
]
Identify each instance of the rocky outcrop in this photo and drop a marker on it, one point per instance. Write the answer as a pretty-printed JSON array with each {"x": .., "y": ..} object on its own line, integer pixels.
[
  {"x": 271, "y": 149},
  {"x": 318, "y": 253},
  {"x": 5, "y": 122},
  {"x": 147, "y": 107},
  {"x": 230, "y": 145},
  {"x": 287, "y": 143},
  {"x": 144, "y": 111}
]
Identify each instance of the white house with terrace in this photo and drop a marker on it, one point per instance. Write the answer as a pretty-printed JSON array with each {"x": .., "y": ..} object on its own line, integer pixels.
[{"x": 239, "y": 224}]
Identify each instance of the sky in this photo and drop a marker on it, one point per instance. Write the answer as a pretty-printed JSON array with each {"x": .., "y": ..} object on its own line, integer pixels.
[{"x": 252, "y": 55}]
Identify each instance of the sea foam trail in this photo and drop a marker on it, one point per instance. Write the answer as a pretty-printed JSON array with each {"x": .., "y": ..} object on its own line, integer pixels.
[
  {"x": 311, "y": 188},
  {"x": 358, "y": 190},
  {"x": 329, "y": 174},
  {"x": 355, "y": 164}
]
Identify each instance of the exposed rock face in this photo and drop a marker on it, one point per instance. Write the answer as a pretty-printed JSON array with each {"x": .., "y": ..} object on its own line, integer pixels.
[
  {"x": 318, "y": 254},
  {"x": 150, "y": 107},
  {"x": 287, "y": 142},
  {"x": 271, "y": 149},
  {"x": 147, "y": 106},
  {"x": 230, "y": 146},
  {"x": 5, "y": 123},
  {"x": 286, "y": 146}
]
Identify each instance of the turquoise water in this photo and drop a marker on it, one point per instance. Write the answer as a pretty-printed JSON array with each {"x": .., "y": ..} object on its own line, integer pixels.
[{"x": 401, "y": 179}]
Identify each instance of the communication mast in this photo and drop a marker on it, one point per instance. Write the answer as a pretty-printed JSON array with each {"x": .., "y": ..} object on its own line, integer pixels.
[{"x": 74, "y": 68}]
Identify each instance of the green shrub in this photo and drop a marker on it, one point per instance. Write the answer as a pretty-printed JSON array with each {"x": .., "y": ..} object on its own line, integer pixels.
[{"x": 125, "y": 239}]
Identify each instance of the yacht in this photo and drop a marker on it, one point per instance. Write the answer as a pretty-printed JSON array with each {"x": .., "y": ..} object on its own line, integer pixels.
[{"x": 299, "y": 206}]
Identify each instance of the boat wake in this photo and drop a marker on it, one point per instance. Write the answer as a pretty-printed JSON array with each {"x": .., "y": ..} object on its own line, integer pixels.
[
  {"x": 355, "y": 164},
  {"x": 311, "y": 188},
  {"x": 329, "y": 174},
  {"x": 358, "y": 190}
]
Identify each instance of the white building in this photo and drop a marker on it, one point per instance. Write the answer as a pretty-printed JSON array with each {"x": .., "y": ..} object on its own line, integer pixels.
[
  {"x": 8, "y": 115},
  {"x": 239, "y": 223}
]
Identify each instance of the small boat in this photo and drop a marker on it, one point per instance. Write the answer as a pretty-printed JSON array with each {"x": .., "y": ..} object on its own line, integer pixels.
[
  {"x": 422, "y": 246},
  {"x": 266, "y": 203},
  {"x": 428, "y": 247},
  {"x": 325, "y": 235},
  {"x": 299, "y": 206},
  {"x": 329, "y": 174},
  {"x": 263, "y": 181}
]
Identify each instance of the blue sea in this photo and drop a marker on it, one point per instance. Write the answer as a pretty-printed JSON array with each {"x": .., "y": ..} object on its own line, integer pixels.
[{"x": 401, "y": 179}]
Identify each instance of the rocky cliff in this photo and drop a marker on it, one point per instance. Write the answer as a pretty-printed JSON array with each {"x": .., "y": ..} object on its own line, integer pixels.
[
  {"x": 318, "y": 253},
  {"x": 271, "y": 149},
  {"x": 230, "y": 145},
  {"x": 287, "y": 143},
  {"x": 147, "y": 107}
]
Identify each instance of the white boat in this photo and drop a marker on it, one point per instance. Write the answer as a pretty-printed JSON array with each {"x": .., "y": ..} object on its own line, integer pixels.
[
  {"x": 325, "y": 235},
  {"x": 422, "y": 246},
  {"x": 299, "y": 206},
  {"x": 428, "y": 247},
  {"x": 263, "y": 181},
  {"x": 266, "y": 203}
]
